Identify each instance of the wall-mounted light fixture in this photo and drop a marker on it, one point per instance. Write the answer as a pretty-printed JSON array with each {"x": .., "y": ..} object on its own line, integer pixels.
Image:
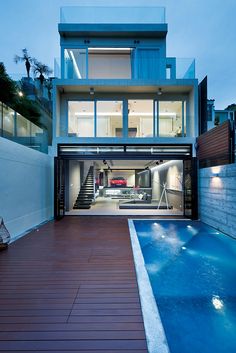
[
  {"x": 215, "y": 171},
  {"x": 91, "y": 91},
  {"x": 159, "y": 92}
]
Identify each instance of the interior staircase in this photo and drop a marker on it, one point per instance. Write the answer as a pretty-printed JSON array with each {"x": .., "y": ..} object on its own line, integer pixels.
[{"x": 86, "y": 194}]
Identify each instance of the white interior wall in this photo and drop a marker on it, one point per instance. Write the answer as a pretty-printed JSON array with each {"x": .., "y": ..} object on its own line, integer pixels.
[
  {"x": 146, "y": 127},
  {"x": 26, "y": 187},
  {"x": 109, "y": 66},
  {"x": 74, "y": 182}
]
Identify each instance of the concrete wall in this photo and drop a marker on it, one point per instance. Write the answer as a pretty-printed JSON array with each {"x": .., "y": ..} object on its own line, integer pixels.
[
  {"x": 171, "y": 173},
  {"x": 26, "y": 187},
  {"x": 217, "y": 197}
]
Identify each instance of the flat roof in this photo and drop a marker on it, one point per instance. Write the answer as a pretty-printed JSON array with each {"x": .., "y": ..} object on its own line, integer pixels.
[{"x": 113, "y": 30}]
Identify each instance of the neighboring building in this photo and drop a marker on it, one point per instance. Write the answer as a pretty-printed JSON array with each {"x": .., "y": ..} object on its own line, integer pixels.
[
  {"x": 216, "y": 117},
  {"x": 121, "y": 104}
]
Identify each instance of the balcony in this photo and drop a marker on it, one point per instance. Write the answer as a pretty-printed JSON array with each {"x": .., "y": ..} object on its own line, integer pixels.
[
  {"x": 112, "y": 15},
  {"x": 123, "y": 63}
]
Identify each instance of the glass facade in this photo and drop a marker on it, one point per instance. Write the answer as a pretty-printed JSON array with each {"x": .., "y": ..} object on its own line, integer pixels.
[
  {"x": 109, "y": 118},
  {"x": 75, "y": 63},
  {"x": 8, "y": 121},
  {"x": 124, "y": 63},
  {"x": 81, "y": 118},
  {"x": 140, "y": 118},
  {"x": 171, "y": 119},
  {"x": 22, "y": 126},
  {"x": 147, "y": 118},
  {"x": 17, "y": 128}
]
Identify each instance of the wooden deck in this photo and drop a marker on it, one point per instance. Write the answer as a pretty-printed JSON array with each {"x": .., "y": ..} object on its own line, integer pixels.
[{"x": 71, "y": 287}]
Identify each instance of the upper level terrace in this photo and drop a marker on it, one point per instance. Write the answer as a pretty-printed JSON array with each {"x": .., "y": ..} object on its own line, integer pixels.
[
  {"x": 112, "y": 15},
  {"x": 117, "y": 43}
]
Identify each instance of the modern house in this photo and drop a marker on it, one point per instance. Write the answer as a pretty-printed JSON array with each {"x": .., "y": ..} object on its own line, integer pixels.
[{"x": 123, "y": 111}]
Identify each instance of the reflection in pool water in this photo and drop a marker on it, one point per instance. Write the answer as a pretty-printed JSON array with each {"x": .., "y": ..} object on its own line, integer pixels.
[{"x": 192, "y": 270}]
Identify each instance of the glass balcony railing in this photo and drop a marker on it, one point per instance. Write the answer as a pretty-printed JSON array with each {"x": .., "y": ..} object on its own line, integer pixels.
[
  {"x": 57, "y": 68},
  {"x": 112, "y": 14},
  {"x": 185, "y": 68},
  {"x": 17, "y": 128},
  {"x": 123, "y": 63}
]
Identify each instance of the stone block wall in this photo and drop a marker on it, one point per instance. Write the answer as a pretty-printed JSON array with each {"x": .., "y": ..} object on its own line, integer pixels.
[{"x": 217, "y": 197}]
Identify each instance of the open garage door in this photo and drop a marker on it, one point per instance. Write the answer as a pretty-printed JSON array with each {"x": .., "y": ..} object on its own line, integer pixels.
[{"x": 59, "y": 188}]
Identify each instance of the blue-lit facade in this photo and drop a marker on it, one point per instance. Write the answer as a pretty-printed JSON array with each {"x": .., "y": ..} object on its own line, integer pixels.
[{"x": 118, "y": 94}]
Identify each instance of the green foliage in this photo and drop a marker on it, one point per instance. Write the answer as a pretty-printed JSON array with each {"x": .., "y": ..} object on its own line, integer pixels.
[
  {"x": 27, "y": 108},
  {"x": 9, "y": 95},
  {"x": 8, "y": 88},
  {"x": 231, "y": 107},
  {"x": 42, "y": 70}
]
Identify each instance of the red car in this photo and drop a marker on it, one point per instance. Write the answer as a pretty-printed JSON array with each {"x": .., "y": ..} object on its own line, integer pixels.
[{"x": 118, "y": 182}]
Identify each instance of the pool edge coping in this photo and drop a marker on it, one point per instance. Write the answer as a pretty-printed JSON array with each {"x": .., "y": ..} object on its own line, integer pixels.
[{"x": 154, "y": 331}]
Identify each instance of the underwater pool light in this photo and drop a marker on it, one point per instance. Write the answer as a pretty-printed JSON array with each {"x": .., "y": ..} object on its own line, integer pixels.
[
  {"x": 217, "y": 302},
  {"x": 183, "y": 248}
]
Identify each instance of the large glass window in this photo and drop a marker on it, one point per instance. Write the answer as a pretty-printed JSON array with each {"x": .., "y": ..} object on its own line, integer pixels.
[
  {"x": 35, "y": 130},
  {"x": 23, "y": 126},
  {"x": 109, "y": 118},
  {"x": 81, "y": 119},
  {"x": 8, "y": 121},
  {"x": 109, "y": 63},
  {"x": 75, "y": 63},
  {"x": 170, "y": 119},
  {"x": 140, "y": 118}
]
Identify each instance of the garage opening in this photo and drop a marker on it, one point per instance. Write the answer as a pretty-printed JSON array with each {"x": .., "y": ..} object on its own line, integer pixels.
[
  {"x": 125, "y": 180},
  {"x": 124, "y": 187}
]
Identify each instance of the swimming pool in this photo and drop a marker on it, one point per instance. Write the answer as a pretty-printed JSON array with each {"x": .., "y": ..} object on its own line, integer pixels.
[{"x": 192, "y": 272}]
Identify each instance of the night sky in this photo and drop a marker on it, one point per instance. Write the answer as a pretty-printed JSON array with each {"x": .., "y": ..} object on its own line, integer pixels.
[{"x": 200, "y": 29}]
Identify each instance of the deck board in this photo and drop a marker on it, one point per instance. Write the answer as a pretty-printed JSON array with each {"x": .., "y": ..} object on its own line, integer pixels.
[{"x": 71, "y": 287}]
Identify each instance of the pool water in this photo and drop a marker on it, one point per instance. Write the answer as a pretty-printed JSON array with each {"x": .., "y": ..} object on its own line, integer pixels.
[{"x": 192, "y": 271}]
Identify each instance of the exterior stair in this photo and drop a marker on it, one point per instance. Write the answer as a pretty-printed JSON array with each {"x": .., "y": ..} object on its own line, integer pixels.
[{"x": 86, "y": 194}]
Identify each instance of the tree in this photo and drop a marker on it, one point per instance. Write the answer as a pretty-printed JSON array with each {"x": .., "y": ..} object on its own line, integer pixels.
[
  {"x": 48, "y": 85},
  {"x": 41, "y": 69},
  {"x": 9, "y": 95},
  {"x": 8, "y": 91},
  {"x": 26, "y": 59},
  {"x": 231, "y": 107}
]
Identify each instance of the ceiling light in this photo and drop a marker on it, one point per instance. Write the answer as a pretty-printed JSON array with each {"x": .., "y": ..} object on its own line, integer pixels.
[{"x": 159, "y": 92}]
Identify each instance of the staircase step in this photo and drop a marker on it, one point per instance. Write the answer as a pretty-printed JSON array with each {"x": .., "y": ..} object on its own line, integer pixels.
[{"x": 87, "y": 207}]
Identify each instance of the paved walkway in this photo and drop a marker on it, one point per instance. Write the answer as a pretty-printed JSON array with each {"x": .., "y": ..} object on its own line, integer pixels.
[{"x": 71, "y": 287}]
